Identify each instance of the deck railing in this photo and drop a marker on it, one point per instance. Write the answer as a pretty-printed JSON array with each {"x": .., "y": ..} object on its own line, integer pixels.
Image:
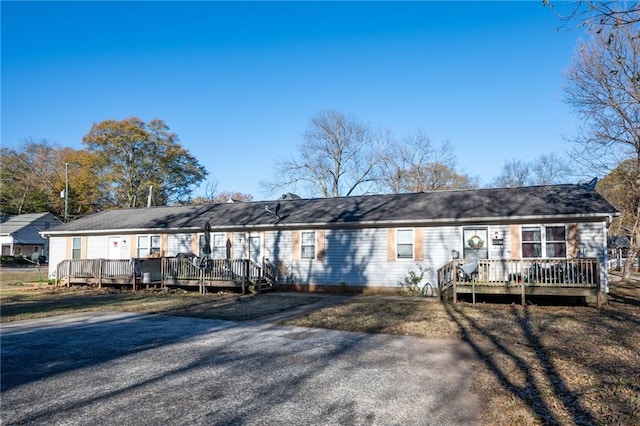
[
  {"x": 170, "y": 271},
  {"x": 580, "y": 273},
  {"x": 96, "y": 269}
]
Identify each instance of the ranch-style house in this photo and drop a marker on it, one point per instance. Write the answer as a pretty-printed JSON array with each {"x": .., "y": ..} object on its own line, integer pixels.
[{"x": 549, "y": 240}]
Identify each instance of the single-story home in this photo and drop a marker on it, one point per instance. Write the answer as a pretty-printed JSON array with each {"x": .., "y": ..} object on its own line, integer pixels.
[
  {"x": 535, "y": 235},
  {"x": 20, "y": 234}
]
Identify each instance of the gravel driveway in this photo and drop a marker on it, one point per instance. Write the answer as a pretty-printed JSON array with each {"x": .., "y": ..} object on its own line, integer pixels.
[{"x": 133, "y": 369}]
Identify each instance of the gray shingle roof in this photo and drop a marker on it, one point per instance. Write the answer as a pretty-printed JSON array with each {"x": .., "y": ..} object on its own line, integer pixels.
[
  {"x": 481, "y": 205},
  {"x": 25, "y": 228}
]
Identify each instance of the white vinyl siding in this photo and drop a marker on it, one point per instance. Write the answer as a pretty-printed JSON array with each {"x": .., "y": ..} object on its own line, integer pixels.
[
  {"x": 97, "y": 247},
  {"x": 57, "y": 251},
  {"x": 178, "y": 243}
]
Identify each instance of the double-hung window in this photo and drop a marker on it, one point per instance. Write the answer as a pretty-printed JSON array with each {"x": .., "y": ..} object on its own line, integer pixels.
[
  {"x": 218, "y": 246},
  {"x": 76, "y": 248},
  {"x": 405, "y": 243},
  {"x": 308, "y": 245},
  {"x": 148, "y": 245},
  {"x": 544, "y": 241},
  {"x": 219, "y": 249},
  {"x": 556, "y": 241}
]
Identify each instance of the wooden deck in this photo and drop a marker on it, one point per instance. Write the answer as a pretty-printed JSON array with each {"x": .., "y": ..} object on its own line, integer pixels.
[
  {"x": 243, "y": 274},
  {"x": 523, "y": 277}
]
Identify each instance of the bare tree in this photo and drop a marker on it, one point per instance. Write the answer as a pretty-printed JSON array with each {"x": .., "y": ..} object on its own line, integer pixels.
[
  {"x": 514, "y": 173},
  {"x": 603, "y": 88},
  {"x": 547, "y": 169},
  {"x": 339, "y": 157},
  {"x": 596, "y": 14},
  {"x": 416, "y": 164}
]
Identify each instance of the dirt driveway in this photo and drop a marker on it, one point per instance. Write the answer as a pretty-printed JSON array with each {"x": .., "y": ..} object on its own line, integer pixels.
[{"x": 125, "y": 369}]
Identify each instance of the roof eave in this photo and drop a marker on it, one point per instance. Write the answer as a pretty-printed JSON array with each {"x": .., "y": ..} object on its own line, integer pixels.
[{"x": 367, "y": 224}]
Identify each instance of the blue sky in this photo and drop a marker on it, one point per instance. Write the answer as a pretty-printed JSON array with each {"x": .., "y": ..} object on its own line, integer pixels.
[{"x": 239, "y": 81}]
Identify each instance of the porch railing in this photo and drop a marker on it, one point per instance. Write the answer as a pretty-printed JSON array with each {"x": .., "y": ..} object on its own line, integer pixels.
[
  {"x": 167, "y": 271},
  {"x": 572, "y": 273},
  {"x": 95, "y": 269}
]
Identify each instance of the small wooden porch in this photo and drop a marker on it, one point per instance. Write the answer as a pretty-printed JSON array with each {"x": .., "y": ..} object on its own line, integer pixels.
[
  {"x": 523, "y": 277},
  {"x": 243, "y": 274}
]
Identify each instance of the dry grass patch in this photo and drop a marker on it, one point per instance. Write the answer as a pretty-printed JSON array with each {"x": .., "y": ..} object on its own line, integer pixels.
[
  {"x": 16, "y": 278},
  {"x": 20, "y": 305},
  {"x": 537, "y": 364}
]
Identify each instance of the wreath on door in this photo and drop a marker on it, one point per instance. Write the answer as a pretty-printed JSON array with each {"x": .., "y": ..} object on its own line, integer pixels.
[{"x": 475, "y": 242}]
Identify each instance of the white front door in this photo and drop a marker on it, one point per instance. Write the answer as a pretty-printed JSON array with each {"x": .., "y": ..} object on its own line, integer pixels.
[
  {"x": 255, "y": 249},
  {"x": 118, "y": 248}
]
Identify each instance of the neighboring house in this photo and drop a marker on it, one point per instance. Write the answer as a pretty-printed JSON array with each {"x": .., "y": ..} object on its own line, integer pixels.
[
  {"x": 363, "y": 242},
  {"x": 20, "y": 234}
]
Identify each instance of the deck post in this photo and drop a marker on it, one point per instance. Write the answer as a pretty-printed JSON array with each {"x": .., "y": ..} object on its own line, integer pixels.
[
  {"x": 522, "y": 282},
  {"x": 69, "y": 273},
  {"x": 244, "y": 281},
  {"x": 473, "y": 290},
  {"x": 133, "y": 274},
  {"x": 454, "y": 291},
  {"x": 100, "y": 264}
]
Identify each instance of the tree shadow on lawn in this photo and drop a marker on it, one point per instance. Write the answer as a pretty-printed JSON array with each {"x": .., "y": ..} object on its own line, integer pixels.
[
  {"x": 518, "y": 375},
  {"x": 573, "y": 365}
]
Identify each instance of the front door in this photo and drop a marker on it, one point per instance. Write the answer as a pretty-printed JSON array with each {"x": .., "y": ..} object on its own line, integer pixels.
[
  {"x": 118, "y": 248},
  {"x": 255, "y": 249},
  {"x": 475, "y": 243}
]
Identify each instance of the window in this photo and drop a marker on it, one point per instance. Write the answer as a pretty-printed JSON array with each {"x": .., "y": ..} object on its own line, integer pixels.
[
  {"x": 405, "y": 244},
  {"x": 218, "y": 246},
  {"x": 308, "y": 246},
  {"x": 544, "y": 241},
  {"x": 148, "y": 245},
  {"x": 556, "y": 241},
  {"x": 219, "y": 249},
  {"x": 76, "y": 248},
  {"x": 531, "y": 241}
]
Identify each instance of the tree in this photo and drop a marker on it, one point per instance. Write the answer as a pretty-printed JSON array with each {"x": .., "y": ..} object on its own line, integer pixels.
[
  {"x": 615, "y": 188},
  {"x": 134, "y": 156},
  {"x": 34, "y": 177},
  {"x": 339, "y": 157},
  {"x": 27, "y": 178},
  {"x": 547, "y": 169},
  {"x": 603, "y": 88},
  {"x": 416, "y": 164},
  {"x": 223, "y": 197},
  {"x": 85, "y": 190},
  {"x": 597, "y": 14}
]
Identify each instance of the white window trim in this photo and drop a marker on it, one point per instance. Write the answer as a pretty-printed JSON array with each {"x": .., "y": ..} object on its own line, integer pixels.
[
  {"x": 315, "y": 245},
  {"x": 413, "y": 244},
  {"x": 213, "y": 247},
  {"x": 73, "y": 249},
  {"x": 543, "y": 239},
  {"x": 149, "y": 246}
]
